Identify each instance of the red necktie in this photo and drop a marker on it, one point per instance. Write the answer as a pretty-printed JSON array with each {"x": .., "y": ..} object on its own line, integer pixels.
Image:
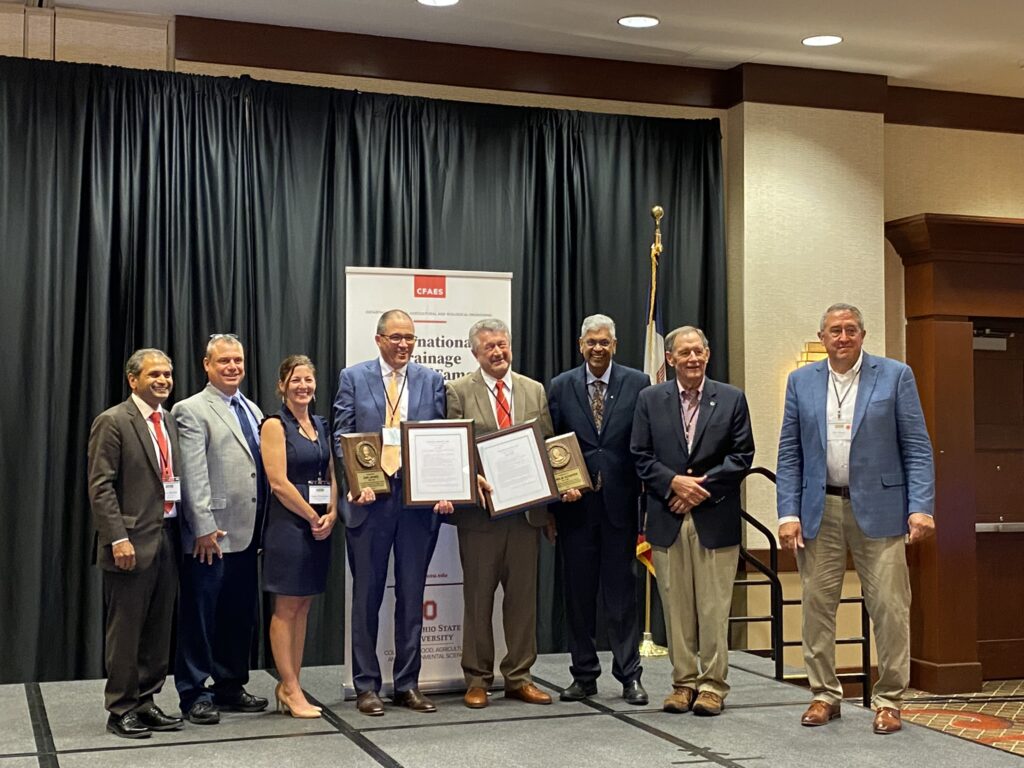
[
  {"x": 165, "y": 459},
  {"x": 504, "y": 414}
]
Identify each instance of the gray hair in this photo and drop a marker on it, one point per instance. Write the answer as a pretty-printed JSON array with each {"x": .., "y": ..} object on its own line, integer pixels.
[
  {"x": 382, "y": 322},
  {"x": 490, "y": 325},
  {"x": 220, "y": 338},
  {"x": 684, "y": 330},
  {"x": 134, "y": 365},
  {"x": 842, "y": 308},
  {"x": 596, "y": 323}
]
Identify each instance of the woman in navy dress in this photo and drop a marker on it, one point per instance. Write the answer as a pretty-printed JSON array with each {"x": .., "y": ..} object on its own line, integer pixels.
[{"x": 300, "y": 517}]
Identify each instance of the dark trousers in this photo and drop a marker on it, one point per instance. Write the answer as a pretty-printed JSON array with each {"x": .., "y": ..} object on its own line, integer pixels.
[
  {"x": 412, "y": 534},
  {"x": 140, "y": 607},
  {"x": 597, "y": 563},
  {"x": 216, "y": 619}
]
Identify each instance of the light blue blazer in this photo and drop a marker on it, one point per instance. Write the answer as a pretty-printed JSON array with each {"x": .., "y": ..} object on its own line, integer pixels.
[{"x": 891, "y": 469}]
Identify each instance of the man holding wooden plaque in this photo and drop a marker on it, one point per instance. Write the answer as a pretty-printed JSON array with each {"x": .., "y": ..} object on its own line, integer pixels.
[
  {"x": 502, "y": 550},
  {"x": 597, "y": 531}
]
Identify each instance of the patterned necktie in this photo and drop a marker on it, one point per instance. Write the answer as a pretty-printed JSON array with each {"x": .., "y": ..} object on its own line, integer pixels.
[
  {"x": 390, "y": 455},
  {"x": 166, "y": 473},
  {"x": 502, "y": 409},
  {"x": 597, "y": 404}
]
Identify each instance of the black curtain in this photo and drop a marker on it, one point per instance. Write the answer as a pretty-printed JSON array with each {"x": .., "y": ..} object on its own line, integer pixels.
[{"x": 152, "y": 209}]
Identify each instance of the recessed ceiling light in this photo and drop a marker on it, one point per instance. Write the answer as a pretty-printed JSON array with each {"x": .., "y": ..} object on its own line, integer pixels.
[
  {"x": 437, "y": 3},
  {"x": 819, "y": 41},
  {"x": 639, "y": 22}
]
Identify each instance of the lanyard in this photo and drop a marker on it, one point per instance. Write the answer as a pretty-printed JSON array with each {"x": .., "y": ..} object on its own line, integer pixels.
[
  {"x": 841, "y": 400},
  {"x": 319, "y": 448},
  {"x": 689, "y": 422},
  {"x": 498, "y": 403},
  {"x": 393, "y": 409}
]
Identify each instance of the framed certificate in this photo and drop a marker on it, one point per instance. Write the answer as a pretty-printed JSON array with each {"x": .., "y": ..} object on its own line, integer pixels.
[
  {"x": 360, "y": 453},
  {"x": 567, "y": 463},
  {"x": 515, "y": 463},
  {"x": 438, "y": 462}
]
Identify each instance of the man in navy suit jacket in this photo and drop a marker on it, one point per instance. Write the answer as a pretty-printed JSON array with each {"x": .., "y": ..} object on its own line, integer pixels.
[
  {"x": 370, "y": 396},
  {"x": 693, "y": 445},
  {"x": 855, "y": 471},
  {"x": 597, "y": 531}
]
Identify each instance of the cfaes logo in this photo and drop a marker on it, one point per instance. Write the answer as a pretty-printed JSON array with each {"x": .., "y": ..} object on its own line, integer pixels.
[{"x": 429, "y": 286}]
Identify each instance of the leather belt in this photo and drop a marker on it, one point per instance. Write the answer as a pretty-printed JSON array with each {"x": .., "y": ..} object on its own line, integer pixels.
[{"x": 842, "y": 491}]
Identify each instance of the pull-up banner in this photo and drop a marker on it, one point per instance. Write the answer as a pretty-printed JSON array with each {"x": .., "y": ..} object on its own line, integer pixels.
[{"x": 443, "y": 305}]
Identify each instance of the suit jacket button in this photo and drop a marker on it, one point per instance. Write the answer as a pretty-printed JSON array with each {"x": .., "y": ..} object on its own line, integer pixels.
[
  {"x": 254, "y": 500},
  {"x": 253, "y": 475},
  {"x": 689, "y": 471}
]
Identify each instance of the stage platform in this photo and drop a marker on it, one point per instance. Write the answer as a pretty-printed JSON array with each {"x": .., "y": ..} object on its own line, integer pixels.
[{"x": 62, "y": 724}]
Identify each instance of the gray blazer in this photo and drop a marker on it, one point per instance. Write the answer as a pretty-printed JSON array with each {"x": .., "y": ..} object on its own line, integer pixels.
[{"x": 218, "y": 472}]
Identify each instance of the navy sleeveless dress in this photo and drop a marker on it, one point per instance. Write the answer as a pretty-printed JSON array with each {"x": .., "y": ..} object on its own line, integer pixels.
[{"x": 294, "y": 563}]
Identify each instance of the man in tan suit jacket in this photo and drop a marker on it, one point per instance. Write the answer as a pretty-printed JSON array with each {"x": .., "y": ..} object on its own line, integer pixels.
[{"x": 502, "y": 551}]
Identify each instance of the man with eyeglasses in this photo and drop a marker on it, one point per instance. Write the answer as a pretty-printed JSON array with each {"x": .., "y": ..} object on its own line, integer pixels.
[
  {"x": 503, "y": 550},
  {"x": 376, "y": 396},
  {"x": 855, "y": 472},
  {"x": 223, "y": 489},
  {"x": 597, "y": 531},
  {"x": 693, "y": 446}
]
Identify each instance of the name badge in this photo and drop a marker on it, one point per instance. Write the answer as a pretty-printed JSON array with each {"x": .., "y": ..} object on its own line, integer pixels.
[
  {"x": 391, "y": 435},
  {"x": 840, "y": 430},
  {"x": 172, "y": 490},
  {"x": 319, "y": 493}
]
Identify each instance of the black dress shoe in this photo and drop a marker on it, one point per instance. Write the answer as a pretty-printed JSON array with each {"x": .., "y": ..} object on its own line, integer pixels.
[
  {"x": 414, "y": 700},
  {"x": 634, "y": 693},
  {"x": 242, "y": 702},
  {"x": 579, "y": 691},
  {"x": 127, "y": 726},
  {"x": 369, "y": 703},
  {"x": 155, "y": 719},
  {"x": 203, "y": 712}
]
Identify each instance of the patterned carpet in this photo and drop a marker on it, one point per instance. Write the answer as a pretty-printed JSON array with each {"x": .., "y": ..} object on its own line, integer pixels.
[{"x": 994, "y": 716}]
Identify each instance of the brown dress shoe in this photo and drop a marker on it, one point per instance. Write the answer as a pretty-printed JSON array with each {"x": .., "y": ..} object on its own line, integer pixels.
[
  {"x": 680, "y": 700},
  {"x": 887, "y": 720},
  {"x": 819, "y": 713},
  {"x": 475, "y": 698},
  {"x": 529, "y": 693},
  {"x": 414, "y": 700},
  {"x": 708, "y": 704},
  {"x": 369, "y": 703}
]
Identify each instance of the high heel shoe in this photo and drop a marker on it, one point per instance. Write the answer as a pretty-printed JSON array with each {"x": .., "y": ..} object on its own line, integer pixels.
[{"x": 283, "y": 705}]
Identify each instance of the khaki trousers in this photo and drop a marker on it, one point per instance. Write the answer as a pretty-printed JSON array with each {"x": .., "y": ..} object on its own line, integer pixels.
[
  {"x": 885, "y": 582},
  {"x": 696, "y": 586}
]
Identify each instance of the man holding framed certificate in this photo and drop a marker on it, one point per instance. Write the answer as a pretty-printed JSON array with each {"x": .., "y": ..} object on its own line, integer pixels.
[
  {"x": 502, "y": 550},
  {"x": 376, "y": 397}
]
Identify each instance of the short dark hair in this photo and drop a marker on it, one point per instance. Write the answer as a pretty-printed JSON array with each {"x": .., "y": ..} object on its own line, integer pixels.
[
  {"x": 138, "y": 358},
  {"x": 382, "y": 323}
]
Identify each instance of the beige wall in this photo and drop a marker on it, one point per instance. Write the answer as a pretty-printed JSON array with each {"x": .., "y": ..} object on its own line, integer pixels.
[
  {"x": 811, "y": 235},
  {"x": 943, "y": 170}
]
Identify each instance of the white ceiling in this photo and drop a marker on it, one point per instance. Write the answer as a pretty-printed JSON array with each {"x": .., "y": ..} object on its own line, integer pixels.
[{"x": 960, "y": 45}]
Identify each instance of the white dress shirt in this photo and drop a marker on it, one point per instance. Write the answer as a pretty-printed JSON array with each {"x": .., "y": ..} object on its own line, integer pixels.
[{"x": 403, "y": 389}]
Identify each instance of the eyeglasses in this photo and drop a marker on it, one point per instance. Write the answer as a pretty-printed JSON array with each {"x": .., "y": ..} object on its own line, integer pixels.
[
  {"x": 851, "y": 331},
  {"x": 602, "y": 343},
  {"x": 398, "y": 338}
]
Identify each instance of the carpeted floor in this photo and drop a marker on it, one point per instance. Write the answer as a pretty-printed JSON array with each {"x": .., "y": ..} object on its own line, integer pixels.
[{"x": 994, "y": 716}]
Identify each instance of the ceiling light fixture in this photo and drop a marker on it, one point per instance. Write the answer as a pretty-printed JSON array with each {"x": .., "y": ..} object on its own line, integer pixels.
[
  {"x": 820, "y": 41},
  {"x": 639, "y": 22},
  {"x": 437, "y": 3}
]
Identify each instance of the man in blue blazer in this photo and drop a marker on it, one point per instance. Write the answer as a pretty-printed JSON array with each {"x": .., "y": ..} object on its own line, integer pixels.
[
  {"x": 855, "y": 472},
  {"x": 597, "y": 531},
  {"x": 693, "y": 446},
  {"x": 376, "y": 396}
]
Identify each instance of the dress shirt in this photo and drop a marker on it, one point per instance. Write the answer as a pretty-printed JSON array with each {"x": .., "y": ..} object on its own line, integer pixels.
[
  {"x": 403, "y": 388},
  {"x": 606, "y": 377},
  {"x": 490, "y": 381},
  {"x": 245, "y": 407}
]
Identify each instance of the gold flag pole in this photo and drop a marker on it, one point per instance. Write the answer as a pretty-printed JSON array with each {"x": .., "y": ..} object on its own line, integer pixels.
[{"x": 648, "y": 648}]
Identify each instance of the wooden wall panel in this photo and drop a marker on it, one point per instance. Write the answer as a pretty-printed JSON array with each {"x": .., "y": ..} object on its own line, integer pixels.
[
  {"x": 1001, "y": 586},
  {"x": 12, "y": 29},
  {"x": 123, "y": 40},
  {"x": 39, "y": 33}
]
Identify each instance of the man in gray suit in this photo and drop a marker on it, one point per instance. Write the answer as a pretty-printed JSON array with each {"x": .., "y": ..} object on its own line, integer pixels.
[
  {"x": 133, "y": 448},
  {"x": 223, "y": 485}
]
